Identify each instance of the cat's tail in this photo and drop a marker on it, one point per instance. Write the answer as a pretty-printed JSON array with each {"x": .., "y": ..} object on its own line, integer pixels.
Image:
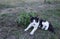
[{"x": 51, "y": 28}]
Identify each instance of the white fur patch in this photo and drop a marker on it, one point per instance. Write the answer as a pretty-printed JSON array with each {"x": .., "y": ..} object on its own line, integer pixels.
[
  {"x": 35, "y": 25},
  {"x": 45, "y": 25}
]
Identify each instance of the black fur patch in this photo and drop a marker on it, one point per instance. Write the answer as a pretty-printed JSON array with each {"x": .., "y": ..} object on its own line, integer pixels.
[
  {"x": 34, "y": 18},
  {"x": 51, "y": 29},
  {"x": 40, "y": 24}
]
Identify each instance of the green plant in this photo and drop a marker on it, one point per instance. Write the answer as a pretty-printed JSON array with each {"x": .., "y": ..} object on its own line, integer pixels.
[{"x": 24, "y": 18}]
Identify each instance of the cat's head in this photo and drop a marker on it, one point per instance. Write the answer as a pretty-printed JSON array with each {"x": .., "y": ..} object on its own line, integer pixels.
[{"x": 32, "y": 19}]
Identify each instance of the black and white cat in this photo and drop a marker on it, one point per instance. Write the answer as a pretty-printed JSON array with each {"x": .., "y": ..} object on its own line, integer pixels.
[{"x": 43, "y": 24}]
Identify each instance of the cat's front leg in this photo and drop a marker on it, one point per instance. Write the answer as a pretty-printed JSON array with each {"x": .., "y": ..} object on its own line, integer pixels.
[{"x": 30, "y": 25}]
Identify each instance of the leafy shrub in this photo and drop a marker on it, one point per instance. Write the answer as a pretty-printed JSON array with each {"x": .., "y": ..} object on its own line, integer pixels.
[{"x": 24, "y": 18}]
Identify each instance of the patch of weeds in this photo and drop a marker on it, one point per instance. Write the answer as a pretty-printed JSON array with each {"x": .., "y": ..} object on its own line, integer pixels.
[
  {"x": 24, "y": 18},
  {"x": 52, "y": 1},
  {"x": 2, "y": 15},
  {"x": 48, "y": 2}
]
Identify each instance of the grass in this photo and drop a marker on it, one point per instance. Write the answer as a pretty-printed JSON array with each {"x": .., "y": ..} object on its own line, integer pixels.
[
  {"x": 14, "y": 2},
  {"x": 3, "y": 6},
  {"x": 40, "y": 33},
  {"x": 20, "y": 2},
  {"x": 52, "y": 1}
]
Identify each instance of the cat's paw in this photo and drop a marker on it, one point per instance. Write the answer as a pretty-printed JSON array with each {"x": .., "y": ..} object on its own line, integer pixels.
[
  {"x": 25, "y": 29},
  {"x": 31, "y": 33}
]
